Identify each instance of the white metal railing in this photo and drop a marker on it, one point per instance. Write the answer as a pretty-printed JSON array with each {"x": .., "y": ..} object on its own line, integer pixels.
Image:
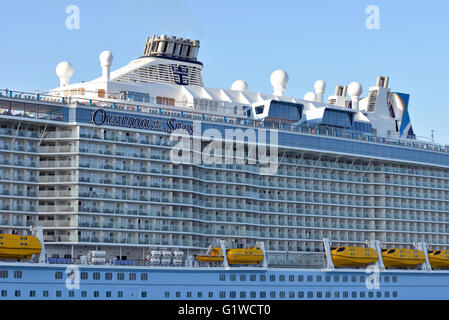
[{"x": 222, "y": 112}]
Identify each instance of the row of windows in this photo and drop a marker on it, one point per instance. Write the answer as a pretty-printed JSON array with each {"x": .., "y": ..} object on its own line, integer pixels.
[
  {"x": 107, "y": 276},
  {"x": 302, "y": 278},
  {"x": 4, "y": 274},
  {"x": 71, "y": 294},
  {"x": 289, "y": 294}
]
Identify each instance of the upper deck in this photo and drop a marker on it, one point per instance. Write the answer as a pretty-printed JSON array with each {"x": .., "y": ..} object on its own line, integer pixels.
[{"x": 45, "y": 107}]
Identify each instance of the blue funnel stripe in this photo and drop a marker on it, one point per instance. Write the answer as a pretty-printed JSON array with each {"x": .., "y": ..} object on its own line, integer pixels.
[{"x": 405, "y": 121}]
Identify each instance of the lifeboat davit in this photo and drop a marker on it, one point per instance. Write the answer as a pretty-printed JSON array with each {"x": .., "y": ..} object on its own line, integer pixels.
[
  {"x": 13, "y": 246},
  {"x": 353, "y": 256},
  {"x": 252, "y": 255},
  {"x": 439, "y": 259},
  {"x": 402, "y": 257}
]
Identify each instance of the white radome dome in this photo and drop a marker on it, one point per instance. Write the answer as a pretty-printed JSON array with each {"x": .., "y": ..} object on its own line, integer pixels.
[
  {"x": 279, "y": 78},
  {"x": 310, "y": 96},
  {"x": 239, "y": 85},
  {"x": 64, "y": 69},
  {"x": 355, "y": 89},
  {"x": 319, "y": 86},
  {"x": 106, "y": 58}
]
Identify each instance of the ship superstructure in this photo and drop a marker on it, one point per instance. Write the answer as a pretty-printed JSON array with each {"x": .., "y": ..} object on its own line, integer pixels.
[{"x": 92, "y": 164}]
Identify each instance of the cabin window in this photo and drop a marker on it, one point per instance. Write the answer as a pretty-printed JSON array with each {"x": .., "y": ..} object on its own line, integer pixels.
[
  {"x": 222, "y": 294},
  {"x": 4, "y": 293},
  {"x": 282, "y": 294},
  {"x": 242, "y": 294},
  {"x": 120, "y": 294},
  {"x": 108, "y": 276},
  {"x": 291, "y": 278},
  {"x": 132, "y": 276},
  {"x": 211, "y": 294},
  {"x": 144, "y": 294},
  {"x": 83, "y": 275},
  {"x": 310, "y": 294},
  {"x": 263, "y": 277},
  {"x": 391, "y": 251},
  {"x": 340, "y": 249},
  {"x": 96, "y": 294},
  {"x": 232, "y": 294},
  {"x": 232, "y": 277},
  {"x": 300, "y": 294},
  {"x": 17, "y": 293},
  {"x": 108, "y": 294},
  {"x": 58, "y": 275},
  {"x": 18, "y": 274},
  {"x": 178, "y": 294},
  {"x": 144, "y": 276},
  {"x": 309, "y": 278},
  {"x": 282, "y": 278},
  {"x": 272, "y": 277},
  {"x": 120, "y": 276},
  {"x": 222, "y": 277},
  {"x": 243, "y": 277},
  {"x": 96, "y": 275},
  {"x": 259, "y": 109},
  {"x": 272, "y": 294},
  {"x": 3, "y": 274}
]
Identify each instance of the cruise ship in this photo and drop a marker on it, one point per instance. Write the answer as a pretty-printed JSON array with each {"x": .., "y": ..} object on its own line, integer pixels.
[{"x": 145, "y": 184}]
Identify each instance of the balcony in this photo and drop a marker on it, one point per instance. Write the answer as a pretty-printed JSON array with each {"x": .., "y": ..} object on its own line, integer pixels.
[{"x": 55, "y": 208}]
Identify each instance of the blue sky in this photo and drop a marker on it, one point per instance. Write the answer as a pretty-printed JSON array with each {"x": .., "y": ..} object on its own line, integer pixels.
[{"x": 246, "y": 40}]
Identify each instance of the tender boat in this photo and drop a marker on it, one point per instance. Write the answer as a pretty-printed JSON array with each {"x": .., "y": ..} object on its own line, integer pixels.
[
  {"x": 353, "y": 256},
  {"x": 402, "y": 257},
  {"x": 439, "y": 259},
  {"x": 18, "y": 247},
  {"x": 251, "y": 255}
]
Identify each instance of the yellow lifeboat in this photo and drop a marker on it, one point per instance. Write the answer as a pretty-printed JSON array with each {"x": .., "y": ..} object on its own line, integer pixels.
[
  {"x": 213, "y": 255},
  {"x": 402, "y": 257},
  {"x": 252, "y": 255},
  {"x": 353, "y": 256},
  {"x": 13, "y": 246},
  {"x": 439, "y": 259}
]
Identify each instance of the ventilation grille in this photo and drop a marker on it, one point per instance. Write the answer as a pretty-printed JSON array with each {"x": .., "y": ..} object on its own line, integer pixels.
[
  {"x": 166, "y": 73},
  {"x": 372, "y": 100}
]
